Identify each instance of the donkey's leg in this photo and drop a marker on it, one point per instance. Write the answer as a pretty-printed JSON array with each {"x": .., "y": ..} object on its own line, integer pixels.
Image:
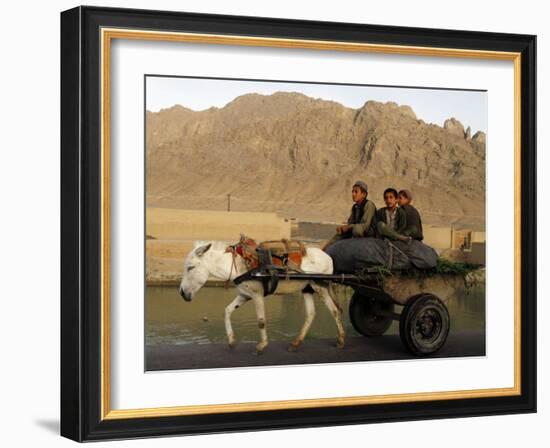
[
  {"x": 260, "y": 315},
  {"x": 239, "y": 300},
  {"x": 310, "y": 314},
  {"x": 336, "y": 313}
]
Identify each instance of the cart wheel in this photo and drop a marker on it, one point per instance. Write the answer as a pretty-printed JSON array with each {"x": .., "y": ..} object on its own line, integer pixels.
[
  {"x": 424, "y": 324},
  {"x": 364, "y": 313}
]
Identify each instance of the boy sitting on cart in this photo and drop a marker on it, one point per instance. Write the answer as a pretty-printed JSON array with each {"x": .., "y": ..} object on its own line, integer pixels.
[
  {"x": 361, "y": 222},
  {"x": 414, "y": 223},
  {"x": 391, "y": 219}
]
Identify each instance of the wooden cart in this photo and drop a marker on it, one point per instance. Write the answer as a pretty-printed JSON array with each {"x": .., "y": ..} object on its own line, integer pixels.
[{"x": 424, "y": 320}]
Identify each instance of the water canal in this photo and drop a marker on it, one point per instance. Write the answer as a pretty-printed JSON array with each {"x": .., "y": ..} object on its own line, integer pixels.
[{"x": 172, "y": 321}]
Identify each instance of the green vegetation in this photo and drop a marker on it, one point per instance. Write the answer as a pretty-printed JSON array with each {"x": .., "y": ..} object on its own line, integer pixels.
[
  {"x": 453, "y": 267},
  {"x": 444, "y": 267}
]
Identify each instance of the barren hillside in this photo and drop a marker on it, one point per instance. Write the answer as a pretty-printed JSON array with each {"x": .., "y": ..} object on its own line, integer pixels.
[{"x": 299, "y": 156}]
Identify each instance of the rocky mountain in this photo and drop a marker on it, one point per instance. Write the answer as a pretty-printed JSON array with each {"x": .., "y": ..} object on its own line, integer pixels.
[{"x": 299, "y": 156}]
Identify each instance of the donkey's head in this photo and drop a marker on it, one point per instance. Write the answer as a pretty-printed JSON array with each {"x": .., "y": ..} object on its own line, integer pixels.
[{"x": 195, "y": 271}]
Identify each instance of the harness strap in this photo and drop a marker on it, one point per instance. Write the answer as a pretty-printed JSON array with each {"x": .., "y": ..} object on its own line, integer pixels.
[
  {"x": 233, "y": 265},
  {"x": 392, "y": 247},
  {"x": 263, "y": 263},
  {"x": 397, "y": 248},
  {"x": 390, "y": 258},
  {"x": 288, "y": 264}
]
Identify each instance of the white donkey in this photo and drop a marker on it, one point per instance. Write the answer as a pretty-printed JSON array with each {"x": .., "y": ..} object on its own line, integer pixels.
[{"x": 211, "y": 259}]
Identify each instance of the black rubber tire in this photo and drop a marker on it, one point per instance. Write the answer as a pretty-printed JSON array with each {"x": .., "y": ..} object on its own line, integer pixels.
[
  {"x": 424, "y": 324},
  {"x": 364, "y": 318}
]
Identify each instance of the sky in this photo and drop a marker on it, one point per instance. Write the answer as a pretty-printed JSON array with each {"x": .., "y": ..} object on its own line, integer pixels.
[{"x": 430, "y": 105}]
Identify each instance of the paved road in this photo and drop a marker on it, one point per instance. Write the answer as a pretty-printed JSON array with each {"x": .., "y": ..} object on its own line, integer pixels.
[{"x": 389, "y": 347}]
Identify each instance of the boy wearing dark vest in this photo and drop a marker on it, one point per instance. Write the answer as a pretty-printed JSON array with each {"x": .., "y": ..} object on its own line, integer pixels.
[
  {"x": 414, "y": 223},
  {"x": 391, "y": 219}
]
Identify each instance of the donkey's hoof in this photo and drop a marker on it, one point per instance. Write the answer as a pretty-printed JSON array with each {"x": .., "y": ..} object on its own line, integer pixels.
[
  {"x": 293, "y": 347},
  {"x": 232, "y": 345},
  {"x": 260, "y": 347},
  {"x": 340, "y": 343}
]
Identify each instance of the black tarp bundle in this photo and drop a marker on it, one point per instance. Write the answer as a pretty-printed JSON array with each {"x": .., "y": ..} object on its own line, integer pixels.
[{"x": 354, "y": 254}]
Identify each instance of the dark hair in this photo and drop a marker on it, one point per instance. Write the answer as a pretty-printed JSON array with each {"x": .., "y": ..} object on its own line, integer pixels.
[{"x": 392, "y": 191}]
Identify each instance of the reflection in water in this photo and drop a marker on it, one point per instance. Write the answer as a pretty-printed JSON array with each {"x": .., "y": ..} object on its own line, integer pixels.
[{"x": 171, "y": 320}]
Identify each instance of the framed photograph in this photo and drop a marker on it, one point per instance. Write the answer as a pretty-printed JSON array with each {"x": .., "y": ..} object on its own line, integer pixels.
[{"x": 273, "y": 223}]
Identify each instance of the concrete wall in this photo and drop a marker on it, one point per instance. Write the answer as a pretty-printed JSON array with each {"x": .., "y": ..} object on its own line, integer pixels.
[
  {"x": 478, "y": 237},
  {"x": 477, "y": 254},
  {"x": 447, "y": 237},
  {"x": 314, "y": 230},
  {"x": 177, "y": 224},
  {"x": 437, "y": 237}
]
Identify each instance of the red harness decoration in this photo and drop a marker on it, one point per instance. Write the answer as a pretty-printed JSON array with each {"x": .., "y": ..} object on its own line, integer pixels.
[{"x": 285, "y": 253}]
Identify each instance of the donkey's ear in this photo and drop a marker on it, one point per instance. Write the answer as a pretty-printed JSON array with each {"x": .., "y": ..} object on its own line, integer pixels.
[{"x": 201, "y": 250}]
